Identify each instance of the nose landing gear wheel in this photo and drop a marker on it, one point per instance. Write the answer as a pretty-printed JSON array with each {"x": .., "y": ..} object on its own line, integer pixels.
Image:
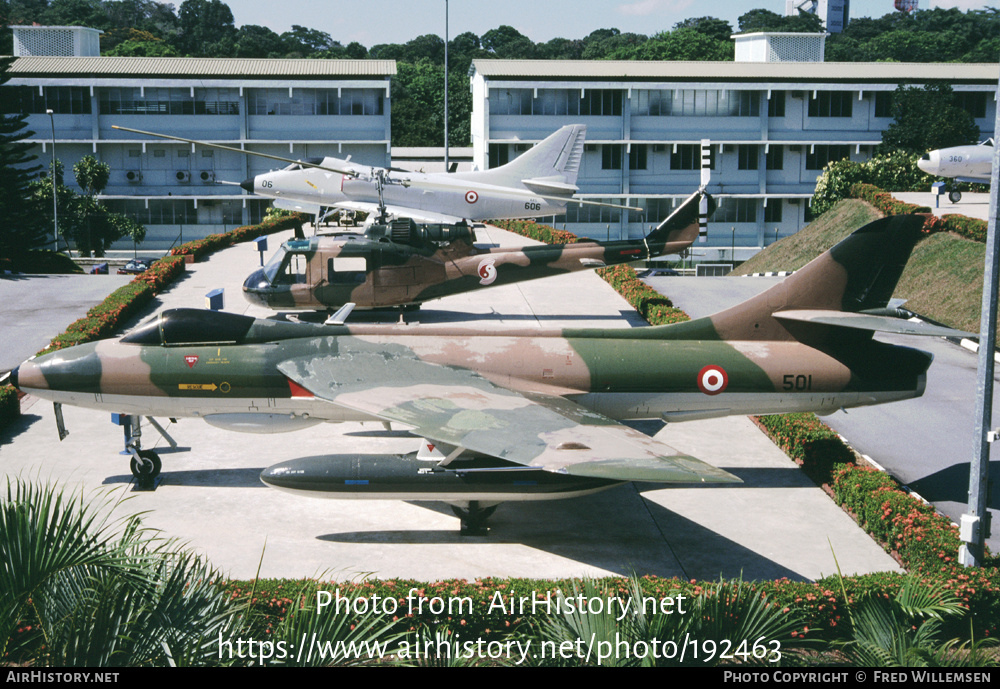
[
  {"x": 146, "y": 467},
  {"x": 954, "y": 196}
]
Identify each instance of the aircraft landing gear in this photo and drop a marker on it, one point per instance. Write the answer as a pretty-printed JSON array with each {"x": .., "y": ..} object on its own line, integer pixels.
[
  {"x": 145, "y": 464},
  {"x": 474, "y": 518},
  {"x": 954, "y": 196}
]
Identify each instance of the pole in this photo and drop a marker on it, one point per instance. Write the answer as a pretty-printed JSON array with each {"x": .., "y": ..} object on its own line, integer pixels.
[
  {"x": 55, "y": 199},
  {"x": 975, "y": 524},
  {"x": 447, "y": 164}
]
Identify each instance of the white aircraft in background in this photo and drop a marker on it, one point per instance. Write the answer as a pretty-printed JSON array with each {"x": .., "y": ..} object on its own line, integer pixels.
[
  {"x": 539, "y": 182},
  {"x": 963, "y": 163}
]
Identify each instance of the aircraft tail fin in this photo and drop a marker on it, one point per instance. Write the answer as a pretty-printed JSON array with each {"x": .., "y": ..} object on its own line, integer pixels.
[
  {"x": 683, "y": 224},
  {"x": 857, "y": 275},
  {"x": 552, "y": 164}
]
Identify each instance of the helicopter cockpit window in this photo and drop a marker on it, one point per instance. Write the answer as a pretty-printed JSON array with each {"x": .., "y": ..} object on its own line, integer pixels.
[
  {"x": 286, "y": 268},
  {"x": 347, "y": 269}
]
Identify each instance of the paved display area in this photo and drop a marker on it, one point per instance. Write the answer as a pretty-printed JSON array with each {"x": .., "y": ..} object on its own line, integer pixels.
[
  {"x": 775, "y": 524},
  {"x": 974, "y": 205},
  {"x": 36, "y": 308}
]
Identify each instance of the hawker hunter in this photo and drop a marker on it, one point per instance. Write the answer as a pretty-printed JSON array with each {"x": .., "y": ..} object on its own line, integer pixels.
[{"x": 519, "y": 414}]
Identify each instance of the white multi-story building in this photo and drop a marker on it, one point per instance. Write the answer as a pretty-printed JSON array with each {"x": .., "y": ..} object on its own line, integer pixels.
[
  {"x": 290, "y": 108},
  {"x": 772, "y": 128}
]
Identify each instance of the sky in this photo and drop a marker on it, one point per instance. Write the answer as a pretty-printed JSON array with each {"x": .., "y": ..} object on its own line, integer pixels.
[{"x": 371, "y": 22}]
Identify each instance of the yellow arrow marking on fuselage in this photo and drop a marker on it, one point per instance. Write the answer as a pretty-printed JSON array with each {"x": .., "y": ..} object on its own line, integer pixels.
[{"x": 197, "y": 386}]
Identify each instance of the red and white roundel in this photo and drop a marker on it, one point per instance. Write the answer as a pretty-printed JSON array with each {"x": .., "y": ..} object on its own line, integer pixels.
[
  {"x": 712, "y": 379},
  {"x": 471, "y": 197}
]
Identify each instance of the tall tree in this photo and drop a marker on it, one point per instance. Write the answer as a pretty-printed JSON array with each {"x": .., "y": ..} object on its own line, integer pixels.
[
  {"x": 925, "y": 119},
  {"x": 22, "y": 228},
  {"x": 203, "y": 25}
]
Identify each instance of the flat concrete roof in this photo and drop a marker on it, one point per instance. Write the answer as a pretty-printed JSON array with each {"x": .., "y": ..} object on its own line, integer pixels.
[
  {"x": 161, "y": 67},
  {"x": 669, "y": 70}
]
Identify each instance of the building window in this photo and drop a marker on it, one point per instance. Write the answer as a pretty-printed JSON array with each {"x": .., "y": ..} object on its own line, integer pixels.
[
  {"x": 579, "y": 213},
  {"x": 499, "y": 155},
  {"x": 638, "y": 157},
  {"x": 819, "y": 155},
  {"x": 735, "y": 210},
  {"x": 775, "y": 158},
  {"x": 602, "y": 102},
  {"x": 697, "y": 103},
  {"x": 972, "y": 102},
  {"x": 776, "y": 104},
  {"x": 831, "y": 104},
  {"x": 883, "y": 104},
  {"x": 611, "y": 157},
  {"x": 688, "y": 157},
  {"x": 315, "y": 102},
  {"x": 772, "y": 211},
  {"x": 61, "y": 100},
  {"x": 749, "y": 156}
]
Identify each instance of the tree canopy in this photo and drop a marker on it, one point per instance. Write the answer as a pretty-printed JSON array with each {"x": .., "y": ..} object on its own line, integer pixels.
[{"x": 926, "y": 119}]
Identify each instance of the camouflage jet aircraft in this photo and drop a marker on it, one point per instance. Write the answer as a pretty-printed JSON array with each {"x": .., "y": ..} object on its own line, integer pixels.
[
  {"x": 535, "y": 407},
  {"x": 403, "y": 264}
]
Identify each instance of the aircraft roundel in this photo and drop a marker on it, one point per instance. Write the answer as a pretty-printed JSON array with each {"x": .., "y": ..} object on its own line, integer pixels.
[
  {"x": 487, "y": 271},
  {"x": 471, "y": 196},
  {"x": 712, "y": 379}
]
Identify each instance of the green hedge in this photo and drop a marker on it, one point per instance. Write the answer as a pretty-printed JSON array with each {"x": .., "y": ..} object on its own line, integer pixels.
[
  {"x": 964, "y": 226},
  {"x": 200, "y": 248},
  {"x": 10, "y": 409}
]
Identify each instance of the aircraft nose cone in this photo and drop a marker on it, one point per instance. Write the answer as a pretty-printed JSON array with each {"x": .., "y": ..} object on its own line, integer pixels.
[
  {"x": 256, "y": 287},
  {"x": 247, "y": 184},
  {"x": 929, "y": 163},
  {"x": 27, "y": 377}
]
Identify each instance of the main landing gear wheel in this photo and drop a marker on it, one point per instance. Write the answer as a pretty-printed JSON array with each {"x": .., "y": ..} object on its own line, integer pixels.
[
  {"x": 474, "y": 518},
  {"x": 954, "y": 196},
  {"x": 146, "y": 467}
]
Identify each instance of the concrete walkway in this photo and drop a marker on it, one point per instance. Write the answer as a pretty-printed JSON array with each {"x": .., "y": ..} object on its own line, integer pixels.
[{"x": 776, "y": 524}]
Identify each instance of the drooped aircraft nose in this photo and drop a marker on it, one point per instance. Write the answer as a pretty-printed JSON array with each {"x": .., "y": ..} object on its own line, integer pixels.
[{"x": 248, "y": 184}]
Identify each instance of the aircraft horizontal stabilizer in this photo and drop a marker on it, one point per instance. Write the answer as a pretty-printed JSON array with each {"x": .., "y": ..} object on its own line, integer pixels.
[
  {"x": 548, "y": 186},
  {"x": 864, "y": 321}
]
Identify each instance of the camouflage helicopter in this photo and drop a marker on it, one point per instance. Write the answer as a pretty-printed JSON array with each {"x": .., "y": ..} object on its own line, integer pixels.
[
  {"x": 513, "y": 415},
  {"x": 403, "y": 264}
]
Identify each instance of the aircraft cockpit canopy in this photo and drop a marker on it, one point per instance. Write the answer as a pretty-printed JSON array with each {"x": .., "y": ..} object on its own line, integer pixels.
[
  {"x": 176, "y": 327},
  {"x": 310, "y": 162}
]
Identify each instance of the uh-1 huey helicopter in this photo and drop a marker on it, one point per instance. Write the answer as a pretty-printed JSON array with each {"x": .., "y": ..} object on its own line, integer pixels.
[{"x": 397, "y": 262}]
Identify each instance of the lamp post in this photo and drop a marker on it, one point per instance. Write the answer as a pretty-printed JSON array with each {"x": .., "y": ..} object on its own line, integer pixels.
[
  {"x": 55, "y": 200},
  {"x": 447, "y": 164}
]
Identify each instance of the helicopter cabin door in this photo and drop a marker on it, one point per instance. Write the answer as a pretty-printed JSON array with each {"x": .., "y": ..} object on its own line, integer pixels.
[{"x": 347, "y": 281}]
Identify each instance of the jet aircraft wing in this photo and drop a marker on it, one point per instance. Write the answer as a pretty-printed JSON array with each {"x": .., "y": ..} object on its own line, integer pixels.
[
  {"x": 418, "y": 215},
  {"x": 459, "y": 407}
]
